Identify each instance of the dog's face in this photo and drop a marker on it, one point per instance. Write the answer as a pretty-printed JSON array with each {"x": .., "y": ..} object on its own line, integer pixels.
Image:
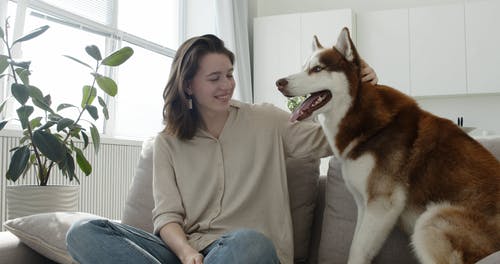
[{"x": 327, "y": 78}]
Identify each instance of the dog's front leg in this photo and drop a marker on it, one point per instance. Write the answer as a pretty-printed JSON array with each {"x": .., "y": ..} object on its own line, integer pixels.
[{"x": 379, "y": 216}]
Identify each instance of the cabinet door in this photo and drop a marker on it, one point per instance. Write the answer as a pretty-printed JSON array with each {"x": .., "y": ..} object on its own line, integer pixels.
[
  {"x": 383, "y": 42},
  {"x": 276, "y": 55},
  {"x": 437, "y": 50},
  {"x": 483, "y": 46},
  {"x": 326, "y": 25}
]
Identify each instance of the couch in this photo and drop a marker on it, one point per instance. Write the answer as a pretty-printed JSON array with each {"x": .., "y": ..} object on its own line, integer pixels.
[{"x": 323, "y": 214}]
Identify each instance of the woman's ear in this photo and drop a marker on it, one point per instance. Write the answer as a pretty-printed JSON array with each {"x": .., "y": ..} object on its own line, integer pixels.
[{"x": 188, "y": 89}]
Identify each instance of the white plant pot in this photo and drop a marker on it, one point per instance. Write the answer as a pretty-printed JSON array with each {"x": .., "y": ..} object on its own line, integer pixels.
[{"x": 23, "y": 200}]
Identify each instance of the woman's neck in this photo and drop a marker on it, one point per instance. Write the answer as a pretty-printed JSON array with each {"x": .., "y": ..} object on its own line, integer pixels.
[{"x": 214, "y": 122}]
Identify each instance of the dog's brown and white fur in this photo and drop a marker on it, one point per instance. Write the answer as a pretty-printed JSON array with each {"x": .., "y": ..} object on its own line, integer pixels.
[{"x": 401, "y": 164}]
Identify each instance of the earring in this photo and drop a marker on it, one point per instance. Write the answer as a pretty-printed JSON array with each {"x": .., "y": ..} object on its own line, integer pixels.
[{"x": 190, "y": 103}]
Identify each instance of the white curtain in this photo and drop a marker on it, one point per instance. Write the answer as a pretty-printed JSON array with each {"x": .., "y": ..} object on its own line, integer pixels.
[{"x": 231, "y": 26}]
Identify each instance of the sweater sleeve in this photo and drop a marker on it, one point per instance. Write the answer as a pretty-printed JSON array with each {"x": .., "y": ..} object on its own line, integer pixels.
[
  {"x": 304, "y": 139},
  {"x": 168, "y": 204}
]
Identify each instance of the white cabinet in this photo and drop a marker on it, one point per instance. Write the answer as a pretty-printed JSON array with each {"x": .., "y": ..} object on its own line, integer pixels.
[
  {"x": 482, "y": 20},
  {"x": 326, "y": 25},
  {"x": 437, "y": 50},
  {"x": 283, "y": 42},
  {"x": 383, "y": 42},
  {"x": 276, "y": 55}
]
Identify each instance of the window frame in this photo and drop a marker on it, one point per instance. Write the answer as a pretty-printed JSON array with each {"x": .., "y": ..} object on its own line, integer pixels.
[{"x": 114, "y": 40}]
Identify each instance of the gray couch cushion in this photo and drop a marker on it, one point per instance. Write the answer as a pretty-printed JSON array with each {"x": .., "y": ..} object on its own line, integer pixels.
[{"x": 302, "y": 175}]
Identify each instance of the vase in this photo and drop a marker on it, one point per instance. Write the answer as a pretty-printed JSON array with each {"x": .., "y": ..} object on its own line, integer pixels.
[{"x": 23, "y": 200}]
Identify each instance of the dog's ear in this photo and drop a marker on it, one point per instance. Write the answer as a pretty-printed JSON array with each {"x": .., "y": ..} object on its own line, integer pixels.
[
  {"x": 346, "y": 47},
  {"x": 316, "y": 45}
]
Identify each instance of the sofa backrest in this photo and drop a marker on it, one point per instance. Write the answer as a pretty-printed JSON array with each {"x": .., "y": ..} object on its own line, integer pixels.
[{"x": 302, "y": 176}]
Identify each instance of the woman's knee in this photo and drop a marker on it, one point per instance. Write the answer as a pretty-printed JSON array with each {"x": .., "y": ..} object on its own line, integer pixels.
[
  {"x": 255, "y": 243},
  {"x": 83, "y": 229}
]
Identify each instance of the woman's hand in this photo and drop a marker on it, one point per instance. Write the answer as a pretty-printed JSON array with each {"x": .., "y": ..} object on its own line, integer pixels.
[
  {"x": 368, "y": 74},
  {"x": 195, "y": 258}
]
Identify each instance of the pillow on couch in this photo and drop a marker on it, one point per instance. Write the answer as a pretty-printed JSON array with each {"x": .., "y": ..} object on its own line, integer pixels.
[
  {"x": 46, "y": 233},
  {"x": 302, "y": 176}
]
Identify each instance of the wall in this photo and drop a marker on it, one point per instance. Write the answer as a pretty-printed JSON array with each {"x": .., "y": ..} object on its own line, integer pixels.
[{"x": 478, "y": 110}]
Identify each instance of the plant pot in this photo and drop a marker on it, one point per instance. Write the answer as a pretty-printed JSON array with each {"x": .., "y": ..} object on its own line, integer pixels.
[{"x": 23, "y": 200}]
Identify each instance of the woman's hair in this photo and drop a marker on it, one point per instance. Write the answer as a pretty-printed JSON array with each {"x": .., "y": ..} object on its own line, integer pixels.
[{"x": 179, "y": 120}]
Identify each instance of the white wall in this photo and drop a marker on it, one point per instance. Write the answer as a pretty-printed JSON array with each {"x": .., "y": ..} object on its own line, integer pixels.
[{"x": 479, "y": 111}]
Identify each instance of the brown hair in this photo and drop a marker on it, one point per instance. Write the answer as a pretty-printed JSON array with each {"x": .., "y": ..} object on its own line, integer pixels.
[{"x": 179, "y": 120}]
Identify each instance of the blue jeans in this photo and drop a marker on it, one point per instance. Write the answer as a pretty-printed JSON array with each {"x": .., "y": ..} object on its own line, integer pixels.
[{"x": 102, "y": 241}]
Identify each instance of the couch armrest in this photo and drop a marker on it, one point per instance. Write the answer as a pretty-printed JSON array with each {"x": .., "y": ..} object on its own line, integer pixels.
[{"x": 13, "y": 251}]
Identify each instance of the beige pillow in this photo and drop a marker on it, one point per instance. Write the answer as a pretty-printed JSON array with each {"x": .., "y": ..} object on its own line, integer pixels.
[{"x": 46, "y": 233}]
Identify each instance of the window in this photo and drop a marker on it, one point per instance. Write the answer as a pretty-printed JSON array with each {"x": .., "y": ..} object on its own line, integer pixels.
[{"x": 150, "y": 27}]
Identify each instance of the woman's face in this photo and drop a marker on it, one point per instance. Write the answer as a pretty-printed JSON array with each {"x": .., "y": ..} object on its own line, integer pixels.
[{"x": 213, "y": 84}]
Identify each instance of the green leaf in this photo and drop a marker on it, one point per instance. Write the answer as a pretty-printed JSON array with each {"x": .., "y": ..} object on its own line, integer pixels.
[
  {"x": 63, "y": 106},
  {"x": 4, "y": 63},
  {"x": 20, "y": 92},
  {"x": 36, "y": 122},
  {"x": 55, "y": 117},
  {"x": 3, "y": 123},
  {"x": 23, "y": 75},
  {"x": 94, "y": 52},
  {"x": 39, "y": 100},
  {"x": 33, "y": 34},
  {"x": 69, "y": 166},
  {"x": 85, "y": 140},
  {"x": 118, "y": 57},
  {"x": 49, "y": 145},
  {"x": 79, "y": 61},
  {"x": 83, "y": 163},
  {"x": 92, "y": 111},
  {"x": 48, "y": 125},
  {"x": 64, "y": 123},
  {"x": 96, "y": 138},
  {"x": 24, "y": 113},
  {"x": 104, "y": 107},
  {"x": 106, "y": 84},
  {"x": 75, "y": 132},
  {"x": 18, "y": 163},
  {"x": 89, "y": 94}
]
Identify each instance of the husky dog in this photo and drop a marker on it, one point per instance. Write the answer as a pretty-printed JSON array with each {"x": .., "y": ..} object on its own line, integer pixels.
[{"x": 401, "y": 163}]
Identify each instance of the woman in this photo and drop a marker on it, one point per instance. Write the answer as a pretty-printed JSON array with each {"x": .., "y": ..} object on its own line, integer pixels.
[{"x": 219, "y": 178}]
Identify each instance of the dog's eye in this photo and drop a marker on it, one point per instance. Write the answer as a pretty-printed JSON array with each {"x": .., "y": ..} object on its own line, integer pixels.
[{"x": 317, "y": 69}]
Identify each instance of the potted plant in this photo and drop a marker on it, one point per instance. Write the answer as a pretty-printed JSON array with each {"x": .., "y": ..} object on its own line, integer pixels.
[{"x": 48, "y": 141}]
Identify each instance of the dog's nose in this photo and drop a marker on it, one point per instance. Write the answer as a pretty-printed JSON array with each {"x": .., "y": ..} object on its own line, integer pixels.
[{"x": 281, "y": 83}]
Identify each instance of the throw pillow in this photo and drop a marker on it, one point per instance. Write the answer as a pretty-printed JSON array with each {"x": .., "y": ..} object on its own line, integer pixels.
[
  {"x": 46, "y": 233},
  {"x": 139, "y": 205}
]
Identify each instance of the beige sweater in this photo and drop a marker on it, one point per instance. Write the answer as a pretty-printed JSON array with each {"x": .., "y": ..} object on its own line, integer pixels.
[{"x": 212, "y": 186}]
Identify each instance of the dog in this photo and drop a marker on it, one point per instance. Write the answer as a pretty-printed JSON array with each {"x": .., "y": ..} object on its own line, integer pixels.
[{"x": 401, "y": 164}]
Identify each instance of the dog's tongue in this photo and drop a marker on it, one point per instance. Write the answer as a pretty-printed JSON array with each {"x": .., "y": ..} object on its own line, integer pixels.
[{"x": 305, "y": 109}]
